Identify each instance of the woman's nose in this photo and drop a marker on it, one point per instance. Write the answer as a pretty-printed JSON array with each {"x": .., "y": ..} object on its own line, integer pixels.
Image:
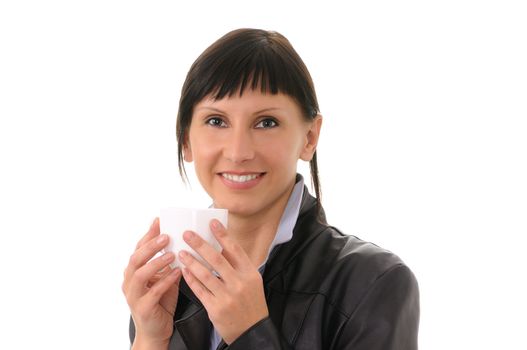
[{"x": 239, "y": 146}]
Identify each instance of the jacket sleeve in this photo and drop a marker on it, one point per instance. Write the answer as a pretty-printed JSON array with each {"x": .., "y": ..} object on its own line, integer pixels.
[
  {"x": 262, "y": 336},
  {"x": 388, "y": 316}
]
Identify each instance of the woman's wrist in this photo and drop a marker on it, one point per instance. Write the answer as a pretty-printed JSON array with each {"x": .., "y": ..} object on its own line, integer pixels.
[{"x": 142, "y": 343}]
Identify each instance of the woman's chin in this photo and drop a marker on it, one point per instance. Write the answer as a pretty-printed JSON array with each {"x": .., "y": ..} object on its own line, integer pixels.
[{"x": 240, "y": 209}]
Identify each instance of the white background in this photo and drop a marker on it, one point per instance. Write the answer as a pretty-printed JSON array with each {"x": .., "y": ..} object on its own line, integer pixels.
[{"x": 423, "y": 151}]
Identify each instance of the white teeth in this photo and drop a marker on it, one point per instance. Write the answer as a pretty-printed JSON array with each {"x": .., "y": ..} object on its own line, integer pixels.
[{"x": 239, "y": 178}]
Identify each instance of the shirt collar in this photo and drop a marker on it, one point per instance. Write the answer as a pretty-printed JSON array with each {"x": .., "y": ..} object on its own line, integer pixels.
[{"x": 284, "y": 233}]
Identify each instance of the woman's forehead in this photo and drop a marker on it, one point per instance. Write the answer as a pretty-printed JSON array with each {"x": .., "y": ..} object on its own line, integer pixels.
[{"x": 250, "y": 98}]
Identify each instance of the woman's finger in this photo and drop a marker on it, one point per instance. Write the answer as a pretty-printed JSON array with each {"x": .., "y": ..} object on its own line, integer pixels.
[
  {"x": 147, "y": 251},
  {"x": 232, "y": 251},
  {"x": 152, "y": 232},
  {"x": 158, "y": 266},
  {"x": 209, "y": 254},
  {"x": 158, "y": 275},
  {"x": 139, "y": 283},
  {"x": 206, "y": 278},
  {"x": 202, "y": 293},
  {"x": 143, "y": 254},
  {"x": 171, "y": 280}
]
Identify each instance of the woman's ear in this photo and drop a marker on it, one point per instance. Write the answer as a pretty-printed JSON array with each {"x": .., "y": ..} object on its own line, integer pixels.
[{"x": 312, "y": 135}]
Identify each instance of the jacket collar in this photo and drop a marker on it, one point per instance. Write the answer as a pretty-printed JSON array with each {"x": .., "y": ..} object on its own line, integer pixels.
[{"x": 311, "y": 222}]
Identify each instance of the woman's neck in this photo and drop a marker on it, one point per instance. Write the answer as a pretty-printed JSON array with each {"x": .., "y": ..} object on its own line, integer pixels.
[{"x": 255, "y": 233}]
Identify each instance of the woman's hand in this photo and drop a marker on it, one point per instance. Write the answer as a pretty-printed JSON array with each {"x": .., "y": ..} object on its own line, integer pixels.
[
  {"x": 235, "y": 301},
  {"x": 151, "y": 289}
]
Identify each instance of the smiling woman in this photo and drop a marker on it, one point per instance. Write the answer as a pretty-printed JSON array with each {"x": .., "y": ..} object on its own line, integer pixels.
[{"x": 285, "y": 278}]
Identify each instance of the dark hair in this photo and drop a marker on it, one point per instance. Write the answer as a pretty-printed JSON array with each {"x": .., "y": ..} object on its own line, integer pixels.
[{"x": 239, "y": 58}]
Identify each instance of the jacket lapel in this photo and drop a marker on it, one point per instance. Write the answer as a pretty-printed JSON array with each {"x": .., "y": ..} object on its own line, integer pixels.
[{"x": 308, "y": 226}]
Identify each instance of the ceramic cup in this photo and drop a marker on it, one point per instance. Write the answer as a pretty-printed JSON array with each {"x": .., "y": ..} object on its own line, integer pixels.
[{"x": 175, "y": 221}]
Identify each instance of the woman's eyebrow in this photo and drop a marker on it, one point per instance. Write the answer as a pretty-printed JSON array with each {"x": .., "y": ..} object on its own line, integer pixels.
[
  {"x": 211, "y": 108},
  {"x": 266, "y": 110},
  {"x": 223, "y": 112}
]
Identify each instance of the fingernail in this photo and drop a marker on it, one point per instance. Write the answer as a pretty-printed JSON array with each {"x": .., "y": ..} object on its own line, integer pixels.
[
  {"x": 167, "y": 256},
  {"x": 185, "y": 273},
  {"x": 183, "y": 255},
  {"x": 188, "y": 235},
  {"x": 215, "y": 224},
  {"x": 161, "y": 239}
]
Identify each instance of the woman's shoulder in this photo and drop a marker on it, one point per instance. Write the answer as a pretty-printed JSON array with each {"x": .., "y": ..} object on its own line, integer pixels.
[
  {"x": 345, "y": 268},
  {"x": 356, "y": 267},
  {"x": 323, "y": 260},
  {"x": 337, "y": 251},
  {"x": 353, "y": 253}
]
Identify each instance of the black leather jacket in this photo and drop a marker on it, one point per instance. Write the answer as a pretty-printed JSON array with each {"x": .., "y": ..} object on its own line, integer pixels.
[{"x": 324, "y": 290}]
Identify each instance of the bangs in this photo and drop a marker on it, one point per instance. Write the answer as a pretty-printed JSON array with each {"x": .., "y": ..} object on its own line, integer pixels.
[
  {"x": 255, "y": 71},
  {"x": 231, "y": 66}
]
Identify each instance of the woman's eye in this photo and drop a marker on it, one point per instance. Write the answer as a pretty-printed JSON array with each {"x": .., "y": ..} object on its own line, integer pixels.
[
  {"x": 217, "y": 122},
  {"x": 267, "y": 123}
]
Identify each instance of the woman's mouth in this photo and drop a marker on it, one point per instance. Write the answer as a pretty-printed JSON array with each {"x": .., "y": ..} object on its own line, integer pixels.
[
  {"x": 240, "y": 178},
  {"x": 241, "y": 181}
]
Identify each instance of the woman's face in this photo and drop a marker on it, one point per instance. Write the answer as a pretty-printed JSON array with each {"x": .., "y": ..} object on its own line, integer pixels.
[{"x": 245, "y": 149}]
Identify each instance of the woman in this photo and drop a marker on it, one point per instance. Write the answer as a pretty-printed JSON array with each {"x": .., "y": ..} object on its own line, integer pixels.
[{"x": 285, "y": 278}]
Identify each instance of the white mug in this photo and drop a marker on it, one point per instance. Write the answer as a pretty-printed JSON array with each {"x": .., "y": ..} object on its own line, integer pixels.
[{"x": 175, "y": 221}]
